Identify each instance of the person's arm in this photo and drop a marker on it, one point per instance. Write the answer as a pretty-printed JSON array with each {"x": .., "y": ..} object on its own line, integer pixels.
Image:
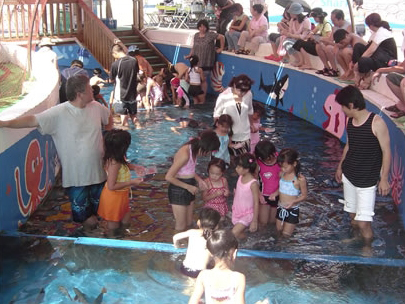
[
  {"x": 227, "y": 5},
  {"x": 187, "y": 78},
  {"x": 179, "y": 236},
  {"x": 112, "y": 173},
  {"x": 256, "y": 196},
  {"x": 381, "y": 132},
  {"x": 198, "y": 289},
  {"x": 400, "y": 68},
  {"x": 240, "y": 292},
  {"x": 221, "y": 39},
  {"x": 28, "y": 121},
  {"x": 226, "y": 186},
  {"x": 180, "y": 159},
  {"x": 219, "y": 107},
  {"x": 191, "y": 50},
  {"x": 370, "y": 50},
  {"x": 338, "y": 174}
]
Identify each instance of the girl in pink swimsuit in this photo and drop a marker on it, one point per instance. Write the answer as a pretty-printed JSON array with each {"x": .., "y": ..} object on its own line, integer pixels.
[
  {"x": 245, "y": 209},
  {"x": 216, "y": 195},
  {"x": 220, "y": 284}
]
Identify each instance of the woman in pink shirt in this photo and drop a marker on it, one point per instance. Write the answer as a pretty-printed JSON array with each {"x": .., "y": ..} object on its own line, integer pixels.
[{"x": 256, "y": 33}]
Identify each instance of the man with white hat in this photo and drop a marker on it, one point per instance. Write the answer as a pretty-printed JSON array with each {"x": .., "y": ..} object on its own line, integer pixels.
[{"x": 44, "y": 55}]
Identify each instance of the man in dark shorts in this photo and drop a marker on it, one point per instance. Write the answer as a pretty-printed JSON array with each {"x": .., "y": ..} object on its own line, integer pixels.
[
  {"x": 79, "y": 146},
  {"x": 124, "y": 73}
]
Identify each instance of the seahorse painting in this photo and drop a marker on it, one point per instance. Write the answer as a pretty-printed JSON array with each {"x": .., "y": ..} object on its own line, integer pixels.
[
  {"x": 216, "y": 76},
  {"x": 335, "y": 124}
]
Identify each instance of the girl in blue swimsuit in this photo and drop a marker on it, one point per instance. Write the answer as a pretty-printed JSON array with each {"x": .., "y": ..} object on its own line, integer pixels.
[{"x": 292, "y": 191}]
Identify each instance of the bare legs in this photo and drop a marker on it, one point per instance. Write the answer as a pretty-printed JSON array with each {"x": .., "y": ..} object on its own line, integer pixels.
[{"x": 183, "y": 215}]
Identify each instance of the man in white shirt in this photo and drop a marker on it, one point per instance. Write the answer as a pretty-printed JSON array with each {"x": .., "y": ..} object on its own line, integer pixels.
[{"x": 75, "y": 127}]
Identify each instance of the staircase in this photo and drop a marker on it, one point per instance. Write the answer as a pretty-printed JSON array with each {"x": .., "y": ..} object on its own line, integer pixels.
[{"x": 147, "y": 49}]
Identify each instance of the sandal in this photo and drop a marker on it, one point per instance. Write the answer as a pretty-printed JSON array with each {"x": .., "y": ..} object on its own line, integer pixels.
[
  {"x": 270, "y": 57},
  {"x": 246, "y": 52},
  {"x": 398, "y": 114},
  {"x": 240, "y": 51},
  {"x": 331, "y": 73},
  {"x": 393, "y": 108},
  {"x": 322, "y": 72}
]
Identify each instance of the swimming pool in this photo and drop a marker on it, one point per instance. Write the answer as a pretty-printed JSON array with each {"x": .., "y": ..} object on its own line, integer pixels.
[
  {"x": 323, "y": 224},
  {"x": 46, "y": 270}
]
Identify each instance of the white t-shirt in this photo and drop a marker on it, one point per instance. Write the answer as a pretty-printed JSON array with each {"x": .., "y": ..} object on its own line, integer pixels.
[
  {"x": 226, "y": 104},
  {"x": 380, "y": 35},
  {"x": 77, "y": 136}
]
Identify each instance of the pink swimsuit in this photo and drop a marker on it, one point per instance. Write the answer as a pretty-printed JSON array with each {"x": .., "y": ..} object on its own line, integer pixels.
[
  {"x": 243, "y": 204},
  {"x": 219, "y": 203},
  {"x": 189, "y": 168}
]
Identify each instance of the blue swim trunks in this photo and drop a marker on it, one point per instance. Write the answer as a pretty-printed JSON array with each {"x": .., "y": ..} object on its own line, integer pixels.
[{"x": 84, "y": 201}]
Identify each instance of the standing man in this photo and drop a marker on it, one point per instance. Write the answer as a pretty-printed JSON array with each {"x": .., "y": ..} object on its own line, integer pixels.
[
  {"x": 76, "y": 68},
  {"x": 365, "y": 162},
  {"x": 75, "y": 127},
  {"x": 124, "y": 73}
]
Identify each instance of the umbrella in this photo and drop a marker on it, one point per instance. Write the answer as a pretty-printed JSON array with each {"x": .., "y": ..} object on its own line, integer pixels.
[{"x": 285, "y": 3}]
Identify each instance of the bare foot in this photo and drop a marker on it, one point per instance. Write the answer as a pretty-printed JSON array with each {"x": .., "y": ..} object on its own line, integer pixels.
[{"x": 306, "y": 67}]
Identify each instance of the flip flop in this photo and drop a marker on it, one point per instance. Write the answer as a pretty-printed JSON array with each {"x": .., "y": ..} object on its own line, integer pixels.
[
  {"x": 398, "y": 114},
  {"x": 393, "y": 108}
]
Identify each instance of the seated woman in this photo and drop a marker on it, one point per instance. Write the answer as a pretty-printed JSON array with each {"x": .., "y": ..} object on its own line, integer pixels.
[
  {"x": 239, "y": 23},
  {"x": 274, "y": 38},
  {"x": 256, "y": 33},
  {"x": 376, "y": 54},
  {"x": 308, "y": 46},
  {"x": 299, "y": 28}
]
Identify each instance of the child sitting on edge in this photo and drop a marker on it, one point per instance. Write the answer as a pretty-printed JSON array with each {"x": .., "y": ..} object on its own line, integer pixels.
[
  {"x": 197, "y": 256},
  {"x": 114, "y": 199},
  {"x": 220, "y": 284},
  {"x": 223, "y": 128},
  {"x": 216, "y": 196},
  {"x": 292, "y": 191},
  {"x": 269, "y": 177},
  {"x": 245, "y": 208},
  {"x": 96, "y": 78}
]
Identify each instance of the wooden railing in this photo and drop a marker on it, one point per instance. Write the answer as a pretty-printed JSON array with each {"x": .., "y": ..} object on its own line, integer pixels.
[{"x": 57, "y": 19}]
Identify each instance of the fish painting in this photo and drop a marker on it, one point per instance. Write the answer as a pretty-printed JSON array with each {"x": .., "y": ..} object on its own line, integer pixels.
[{"x": 277, "y": 89}]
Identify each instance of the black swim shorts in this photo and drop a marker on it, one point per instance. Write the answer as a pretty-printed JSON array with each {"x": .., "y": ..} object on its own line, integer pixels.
[
  {"x": 124, "y": 108},
  {"x": 179, "y": 195}
]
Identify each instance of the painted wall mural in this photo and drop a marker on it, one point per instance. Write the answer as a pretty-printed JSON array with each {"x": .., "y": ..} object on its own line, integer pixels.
[{"x": 336, "y": 122}]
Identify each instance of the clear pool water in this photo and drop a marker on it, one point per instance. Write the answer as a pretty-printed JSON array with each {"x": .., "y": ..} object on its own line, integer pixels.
[{"x": 143, "y": 276}]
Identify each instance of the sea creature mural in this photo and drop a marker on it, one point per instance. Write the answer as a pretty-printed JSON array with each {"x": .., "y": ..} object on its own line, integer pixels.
[
  {"x": 277, "y": 89},
  {"x": 397, "y": 177},
  {"x": 336, "y": 122},
  {"x": 216, "y": 76},
  {"x": 34, "y": 165}
]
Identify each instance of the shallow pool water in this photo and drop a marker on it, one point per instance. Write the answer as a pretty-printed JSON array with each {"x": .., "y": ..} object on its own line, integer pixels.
[{"x": 43, "y": 270}]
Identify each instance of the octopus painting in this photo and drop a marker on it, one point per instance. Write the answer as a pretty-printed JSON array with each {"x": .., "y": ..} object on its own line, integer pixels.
[{"x": 34, "y": 165}]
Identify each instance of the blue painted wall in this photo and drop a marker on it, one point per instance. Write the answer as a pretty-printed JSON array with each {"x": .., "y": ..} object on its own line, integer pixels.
[{"x": 311, "y": 98}]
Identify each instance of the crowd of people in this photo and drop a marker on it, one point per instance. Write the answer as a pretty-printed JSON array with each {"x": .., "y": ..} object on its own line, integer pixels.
[{"x": 270, "y": 185}]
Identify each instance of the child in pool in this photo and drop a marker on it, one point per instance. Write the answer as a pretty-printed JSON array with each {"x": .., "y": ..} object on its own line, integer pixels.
[
  {"x": 245, "y": 208},
  {"x": 183, "y": 179},
  {"x": 269, "y": 178},
  {"x": 97, "y": 96},
  {"x": 221, "y": 284},
  {"x": 224, "y": 131},
  {"x": 216, "y": 195},
  {"x": 96, "y": 78},
  {"x": 114, "y": 199},
  {"x": 195, "y": 76},
  {"x": 197, "y": 256},
  {"x": 258, "y": 112},
  {"x": 292, "y": 191},
  {"x": 185, "y": 122}
]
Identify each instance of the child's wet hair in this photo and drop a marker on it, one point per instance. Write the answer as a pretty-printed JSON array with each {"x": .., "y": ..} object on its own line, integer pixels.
[
  {"x": 222, "y": 244},
  {"x": 208, "y": 141},
  {"x": 193, "y": 60},
  {"x": 241, "y": 82},
  {"x": 259, "y": 108},
  {"x": 289, "y": 156},
  {"x": 96, "y": 89},
  {"x": 209, "y": 219},
  {"x": 225, "y": 119},
  {"x": 218, "y": 162},
  {"x": 265, "y": 149},
  {"x": 116, "y": 144},
  {"x": 97, "y": 71},
  {"x": 247, "y": 161}
]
